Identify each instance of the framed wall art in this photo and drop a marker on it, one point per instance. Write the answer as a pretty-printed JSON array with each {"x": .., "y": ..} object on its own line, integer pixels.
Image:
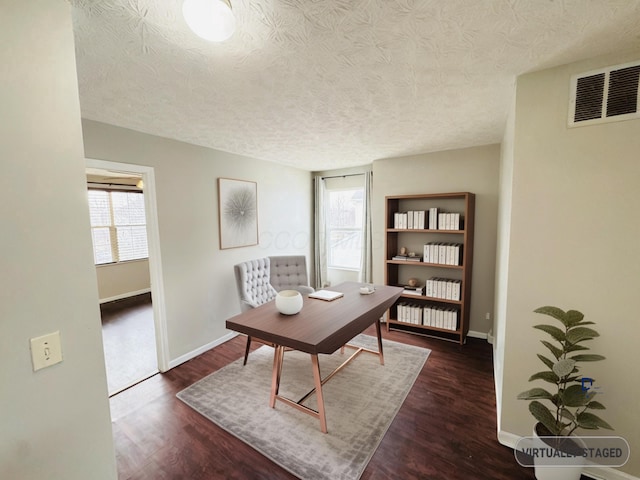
[{"x": 237, "y": 213}]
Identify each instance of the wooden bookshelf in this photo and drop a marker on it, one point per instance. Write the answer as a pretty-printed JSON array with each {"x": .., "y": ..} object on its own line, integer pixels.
[{"x": 440, "y": 315}]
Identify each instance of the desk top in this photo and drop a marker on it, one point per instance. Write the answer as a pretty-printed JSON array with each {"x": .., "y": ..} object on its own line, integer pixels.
[{"x": 321, "y": 326}]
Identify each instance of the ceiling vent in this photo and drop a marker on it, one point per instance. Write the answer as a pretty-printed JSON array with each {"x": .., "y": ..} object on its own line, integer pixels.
[{"x": 606, "y": 95}]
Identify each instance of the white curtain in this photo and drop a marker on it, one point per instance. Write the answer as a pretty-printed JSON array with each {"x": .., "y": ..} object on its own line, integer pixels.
[
  {"x": 320, "y": 245},
  {"x": 366, "y": 261}
]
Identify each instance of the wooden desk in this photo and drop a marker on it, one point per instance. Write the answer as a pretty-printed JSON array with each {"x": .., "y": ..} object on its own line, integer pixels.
[{"x": 320, "y": 327}]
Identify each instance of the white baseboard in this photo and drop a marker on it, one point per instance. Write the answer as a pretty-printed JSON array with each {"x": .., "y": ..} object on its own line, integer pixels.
[
  {"x": 199, "y": 351},
  {"x": 508, "y": 439},
  {"x": 474, "y": 334},
  {"x": 125, "y": 295},
  {"x": 597, "y": 473},
  {"x": 607, "y": 473}
]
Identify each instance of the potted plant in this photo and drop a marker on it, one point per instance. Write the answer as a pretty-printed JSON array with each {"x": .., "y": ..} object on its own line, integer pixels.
[{"x": 568, "y": 405}]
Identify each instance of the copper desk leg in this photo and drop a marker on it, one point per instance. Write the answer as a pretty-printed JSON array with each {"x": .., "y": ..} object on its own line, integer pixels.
[
  {"x": 278, "y": 357},
  {"x": 318, "y": 384}
]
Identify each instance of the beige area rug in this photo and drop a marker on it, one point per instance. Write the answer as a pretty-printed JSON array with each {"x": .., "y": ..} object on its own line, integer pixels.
[{"x": 360, "y": 401}]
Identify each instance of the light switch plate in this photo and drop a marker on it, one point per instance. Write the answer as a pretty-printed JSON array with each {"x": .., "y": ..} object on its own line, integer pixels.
[{"x": 46, "y": 351}]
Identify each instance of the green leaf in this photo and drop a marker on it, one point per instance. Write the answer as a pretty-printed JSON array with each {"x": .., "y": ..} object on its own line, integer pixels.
[
  {"x": 535, "y": 393},
  {"x": 546, "y": 376},
  {"x": 555, "y": 332},
  {"x": 567, "y": 414},
  {"x": 574, "y": 396},
  {"x": 591, "y": 422},
  {"x": 573, "y": 317},
  {"x": 584, "y": 323},
  {"x": 579, "y": 334},
  {"x": 555, "y": 350},
  {"x": 546, "y": 361},
  {"x": 554, "y": 312},
  {"x": 544, "y": 416},
  {"x": 587, "y": 358},
  {"x": 564, "y": 367},
  {"x": 575, "y": 348},
  {"x": 595, "y": 405}
]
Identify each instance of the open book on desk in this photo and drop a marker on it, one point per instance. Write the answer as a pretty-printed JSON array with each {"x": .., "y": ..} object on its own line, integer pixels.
[{"x": 327, "y": 295}]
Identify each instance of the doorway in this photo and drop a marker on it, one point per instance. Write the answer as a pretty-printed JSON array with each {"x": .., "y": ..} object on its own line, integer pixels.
[{"x": 132, "y": 311}]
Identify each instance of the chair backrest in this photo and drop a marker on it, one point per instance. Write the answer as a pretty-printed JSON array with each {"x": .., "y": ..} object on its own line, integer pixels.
[
  {"x": 289, "y": 272},
  {"x": 252, "y": 281}
]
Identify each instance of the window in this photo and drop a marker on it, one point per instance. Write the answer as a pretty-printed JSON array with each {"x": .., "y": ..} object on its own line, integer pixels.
[
  {"x": 118, "y": 226},
  {"x": 344, "y": 233}
]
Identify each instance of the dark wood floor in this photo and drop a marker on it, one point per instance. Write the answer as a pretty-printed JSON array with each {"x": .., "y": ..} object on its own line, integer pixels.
[{"x": 446, "y": 428}]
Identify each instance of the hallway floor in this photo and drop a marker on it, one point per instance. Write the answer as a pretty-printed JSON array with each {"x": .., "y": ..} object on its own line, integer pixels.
[{"x": 128, "y": 335}]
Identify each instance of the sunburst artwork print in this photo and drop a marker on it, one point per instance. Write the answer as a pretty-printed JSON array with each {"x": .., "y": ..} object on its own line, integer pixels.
[{"x": 238, "y": 213}]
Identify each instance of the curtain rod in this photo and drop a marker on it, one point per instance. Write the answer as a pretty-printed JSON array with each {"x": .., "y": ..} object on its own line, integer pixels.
[
  {"x": 346, "y": 175},
  {"x": 114, "y": 186}
]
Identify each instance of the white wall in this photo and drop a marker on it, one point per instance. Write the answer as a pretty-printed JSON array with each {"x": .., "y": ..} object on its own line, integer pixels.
[
  {"x": 572, "y": 242},
  {"x": 55, "y": 422},
  {"x": 199, "y": 284},
  {"x": 474, "y": 170},
  {"x": 121, "y": 280}
]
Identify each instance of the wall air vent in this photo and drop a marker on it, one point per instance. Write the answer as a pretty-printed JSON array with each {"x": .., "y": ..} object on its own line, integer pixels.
[{"x": 605, "y": 95}]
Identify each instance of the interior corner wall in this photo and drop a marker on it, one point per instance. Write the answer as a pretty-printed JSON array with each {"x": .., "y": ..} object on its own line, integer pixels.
[
  {"x": 56, "y": 421},
  {"x": 573, "y": 238},
  {"x": 199, "y": 283},
  {"x": 502, "y": 256},
  {"x": 474, "y": 170}
]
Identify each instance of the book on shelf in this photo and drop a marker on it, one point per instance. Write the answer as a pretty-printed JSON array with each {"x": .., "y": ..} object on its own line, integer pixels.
[
  {"x": 407, "y": 258},
  {"x": 445, "y": 288},
  {"x": 433, "y": 218},
  {"x": 410, "y": 313},
  {"x": 443, "y": 253},
  {"x": 412, "y": 290},
  {"x": 440, "y": 317},
  {"x": 450, "y": 221},
  {"x": 410, "y": 220}
]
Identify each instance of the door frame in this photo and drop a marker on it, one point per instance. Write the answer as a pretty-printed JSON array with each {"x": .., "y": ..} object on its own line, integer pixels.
[{"x": 153, "y": 241}]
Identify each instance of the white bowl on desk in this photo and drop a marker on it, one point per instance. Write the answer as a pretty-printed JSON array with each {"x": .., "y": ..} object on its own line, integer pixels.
[
  {"x": 367, "y": 290},
  {"x": 289, "y": 302}
]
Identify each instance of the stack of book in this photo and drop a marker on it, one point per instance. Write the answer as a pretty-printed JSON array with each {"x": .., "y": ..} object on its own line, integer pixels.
[
  {"x": 440, "y": 317},
  {"x": 443, "y": 288},
  {"x": 412, "y": 220},
  {"x": 407, "y": 258},
  {"x": 410, "y": 313},
  {"x": 450, "y": 221},
  {"x": 443, "y": 253},
  {"x": 438, "y": 220},
  {"x": 413, "y": 290}
]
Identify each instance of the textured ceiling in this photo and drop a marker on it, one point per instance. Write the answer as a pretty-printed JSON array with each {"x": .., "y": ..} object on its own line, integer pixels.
[{"x": 324, "y": 84}]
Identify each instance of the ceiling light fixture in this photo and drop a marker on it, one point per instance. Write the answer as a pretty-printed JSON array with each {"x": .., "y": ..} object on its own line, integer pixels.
[{"x": 212, "y": 20}]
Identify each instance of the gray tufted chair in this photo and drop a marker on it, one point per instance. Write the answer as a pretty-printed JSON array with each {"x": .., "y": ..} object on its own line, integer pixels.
[
  {"x": 254, "y": 289},
  {"x": 289, "y": 272}
]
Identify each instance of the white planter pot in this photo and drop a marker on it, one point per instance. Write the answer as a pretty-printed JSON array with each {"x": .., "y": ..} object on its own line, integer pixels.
[
  {"x": 289, "y": 302},
  {"x": 544, "y": 471}
]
